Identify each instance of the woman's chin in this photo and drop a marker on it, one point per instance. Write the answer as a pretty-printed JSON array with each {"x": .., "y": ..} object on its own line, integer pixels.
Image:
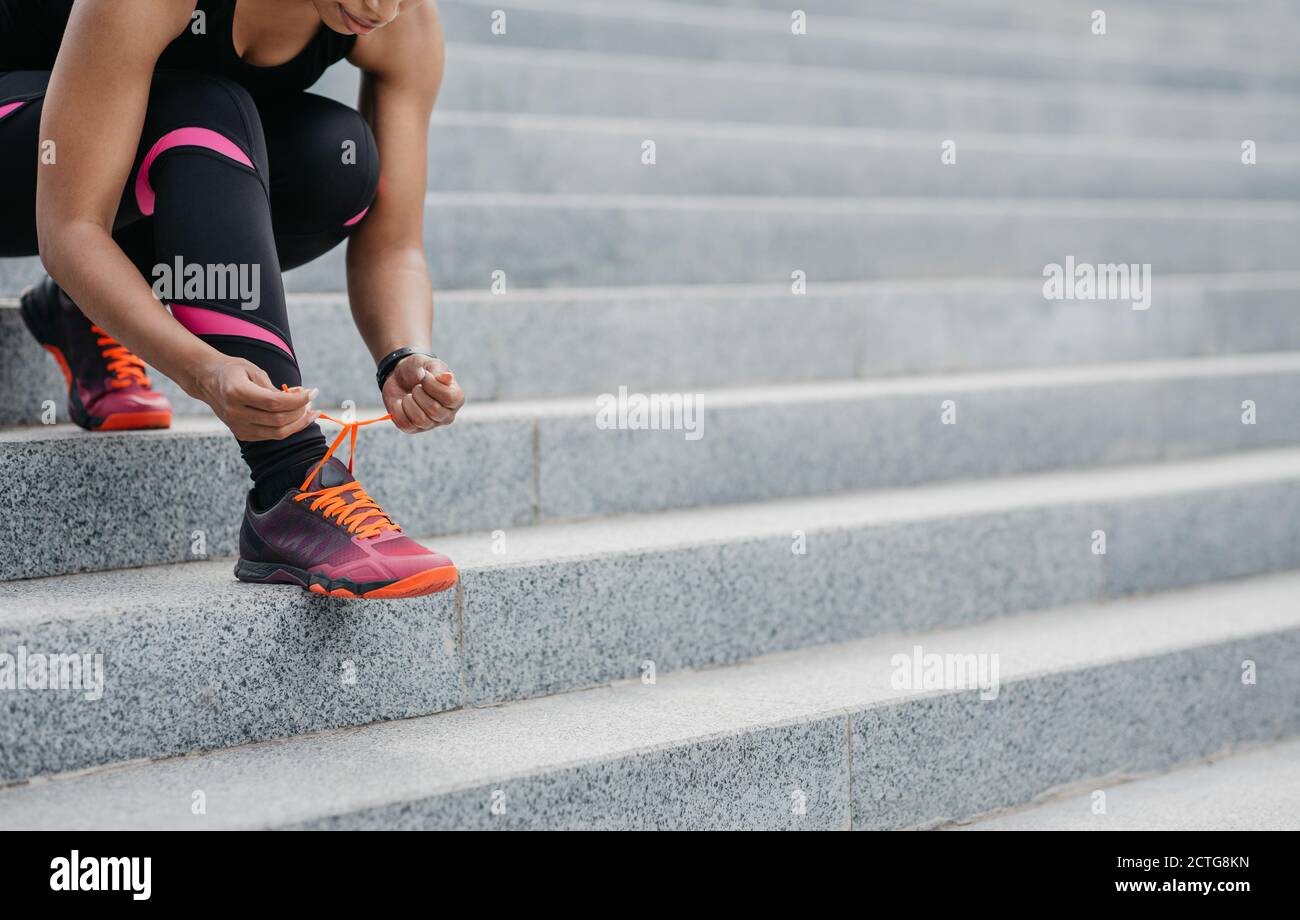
[
  {"x": 338, "y": 26},
  {"x": 332, "y": 18}
]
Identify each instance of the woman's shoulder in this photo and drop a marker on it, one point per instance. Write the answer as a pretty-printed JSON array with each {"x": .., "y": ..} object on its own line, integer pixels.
[
  {"x": 170, "y": 17},
  {"x": 59, "y": 11}
]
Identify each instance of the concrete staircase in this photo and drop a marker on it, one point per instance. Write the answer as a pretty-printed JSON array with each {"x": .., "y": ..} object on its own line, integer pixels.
[
  {"x": 1253, "y": 789},
  {"x": 654, "y": 630}
]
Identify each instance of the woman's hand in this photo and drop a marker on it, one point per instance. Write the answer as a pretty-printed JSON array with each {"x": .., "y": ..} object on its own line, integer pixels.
[
  {"x": 242, "y": 396},
  {"x": 421, "y": 394}
]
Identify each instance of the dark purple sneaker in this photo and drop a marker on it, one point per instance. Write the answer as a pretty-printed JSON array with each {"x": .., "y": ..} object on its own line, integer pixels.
[
  {"x": 108, "y": 389},
  {"x": 332, "y": 538}
]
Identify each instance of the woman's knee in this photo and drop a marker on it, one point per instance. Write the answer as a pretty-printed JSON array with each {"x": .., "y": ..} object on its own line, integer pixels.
[
  {"x": 348, "y": 176},
  {"x": 365, "y": 178},
  {"x": 325, "y": 166}
]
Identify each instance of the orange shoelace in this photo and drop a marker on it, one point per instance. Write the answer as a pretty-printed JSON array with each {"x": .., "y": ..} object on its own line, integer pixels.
[
  {"x": 125, "y": 367},
  {"x": 362, "y": 516}
]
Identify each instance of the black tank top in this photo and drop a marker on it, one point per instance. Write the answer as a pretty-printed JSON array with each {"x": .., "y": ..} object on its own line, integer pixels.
[{"x": 32, "y": 30}]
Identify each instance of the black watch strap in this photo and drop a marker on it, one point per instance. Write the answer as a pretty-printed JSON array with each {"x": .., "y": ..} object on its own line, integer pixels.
[{"x": 389, "y": 361}]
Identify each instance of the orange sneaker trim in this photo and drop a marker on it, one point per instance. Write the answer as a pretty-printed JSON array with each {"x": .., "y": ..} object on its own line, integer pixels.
[
  {"x": 430, "y": 581},
  {"x": 62, "y": 362},
  {"x": 133, "y": 421}
]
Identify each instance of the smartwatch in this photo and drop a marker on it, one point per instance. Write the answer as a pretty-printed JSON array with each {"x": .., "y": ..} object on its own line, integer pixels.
[{"x": 389, "y": 361}]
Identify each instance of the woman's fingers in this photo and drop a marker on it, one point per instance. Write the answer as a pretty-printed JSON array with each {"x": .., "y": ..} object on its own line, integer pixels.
[
  {"x": 258, "y": 376},
  {"x": 273, "y": 419},
  {"x": 255, "y": 426},
  {"x": 268, "y": 399},
  {"x": 423, "y": 394},
  {"x": 415, "y": 413},
  {"x": 242, "y": 396},
  {"x": 443, "y": 388},
  {"x": 432, "y": 409},
  {"x": 398, "y": 411},
  {"x": 280, "y": 424},
  {"x": 409, "y": 370},
  {"x": 263, "y": 413}
]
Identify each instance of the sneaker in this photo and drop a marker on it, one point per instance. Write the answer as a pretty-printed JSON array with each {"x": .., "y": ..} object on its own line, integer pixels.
[
  {"x": 331, "y": 538},
  {"x": 108, "y": 389}
]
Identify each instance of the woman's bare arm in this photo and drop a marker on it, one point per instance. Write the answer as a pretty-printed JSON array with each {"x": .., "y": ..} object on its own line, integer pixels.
[
  {"x": 94, "y": 112},
  {"x": 388, "y": 279}
]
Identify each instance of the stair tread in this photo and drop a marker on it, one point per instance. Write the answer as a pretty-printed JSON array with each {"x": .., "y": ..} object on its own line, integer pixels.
[
  {"x": 1227, "y": 280},
  {"x": 310, "y": 777},
  {"x": 1219, "y": 209},
  {"x": 814, "y": 76},
  {"x": 515, "y": 462},
  {"x": 1031, "y": 378},
  {"x": 1254, "y": 789},
  {"x": 207, "y": 582},
  {"x": 694, "y": 32},
  {"x": 774, "y": 667},
  {"x": 836, "y": 25},
  {"x": 1073, "y": 146}
]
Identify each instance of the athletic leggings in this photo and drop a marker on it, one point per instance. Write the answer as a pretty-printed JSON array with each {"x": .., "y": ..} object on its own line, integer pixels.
[{"x": 219, "y": 179}]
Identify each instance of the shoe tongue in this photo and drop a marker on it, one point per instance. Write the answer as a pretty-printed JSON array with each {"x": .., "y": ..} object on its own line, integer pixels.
[{"x": 334, "y": 472}]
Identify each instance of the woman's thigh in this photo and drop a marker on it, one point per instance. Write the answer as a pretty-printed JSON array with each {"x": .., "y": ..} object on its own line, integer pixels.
[
  {"x": 21, "y": 94},
  {"x": 178, "y": 102},
  {"x": 23, "y": 154}
]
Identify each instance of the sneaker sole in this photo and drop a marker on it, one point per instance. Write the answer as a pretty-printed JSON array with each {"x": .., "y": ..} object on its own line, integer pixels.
[
  {"x": 430, "y": 581},
  {"x": 118, "y": 421},
  {"x": 134, "y": 421}
]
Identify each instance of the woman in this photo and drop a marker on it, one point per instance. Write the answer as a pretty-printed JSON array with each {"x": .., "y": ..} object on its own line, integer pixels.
[{"x": 137, "y": 136}]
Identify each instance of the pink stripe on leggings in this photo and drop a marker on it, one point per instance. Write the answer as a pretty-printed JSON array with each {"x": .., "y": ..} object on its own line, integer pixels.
[
  {"x": 210, "y": 322},
  {"x": 182, "y": 137},
  {"x": 357, "y": 219},
  {"x": 10, "y": 107}
]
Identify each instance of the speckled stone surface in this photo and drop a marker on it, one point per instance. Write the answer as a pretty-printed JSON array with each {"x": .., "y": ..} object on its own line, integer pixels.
[
  {"x": 506, "y": 151},
  {"x": 1252, "y": 790},
  {"x": 543, "y": 628},
  {"x": 28, "y": 376},
  {"x": 582, "y": 240},
  {"x": 790, "y": 440},
  {"x": 955, "y": 756},
  {"x": 110, "y": 500},
  {"x": 522, "y": 344},
  {"x": 193, "y": 659},
  {"x": 949, "y": 326},
  {"x": 555, "y": 607},
  {"x": 1149, "y": 25},
  {"x": 16, "y": 274},
  {"x": 508, "y": 464},
  {"x": 725, "y": 35},
  {"x": 728, "y": 747},
  {"x": 563, "y": 81},
  {"x": 93, "y": 509},
  {"x": 910, "y": 559},
  {"x": 786, "y": 777},
  {"x": 1151, "y": 34},
  {"x": 775, "y": 155},
  {"x": 1154, "y": 545}
]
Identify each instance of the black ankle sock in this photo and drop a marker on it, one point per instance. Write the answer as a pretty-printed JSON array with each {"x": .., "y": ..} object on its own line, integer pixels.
[
  {"x": 271, "y": 488},
  {"x": 278, "y": 466}
]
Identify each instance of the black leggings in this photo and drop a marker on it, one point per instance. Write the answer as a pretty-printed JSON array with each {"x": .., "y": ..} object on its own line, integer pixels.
[{"x": 220, "y": 179}]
